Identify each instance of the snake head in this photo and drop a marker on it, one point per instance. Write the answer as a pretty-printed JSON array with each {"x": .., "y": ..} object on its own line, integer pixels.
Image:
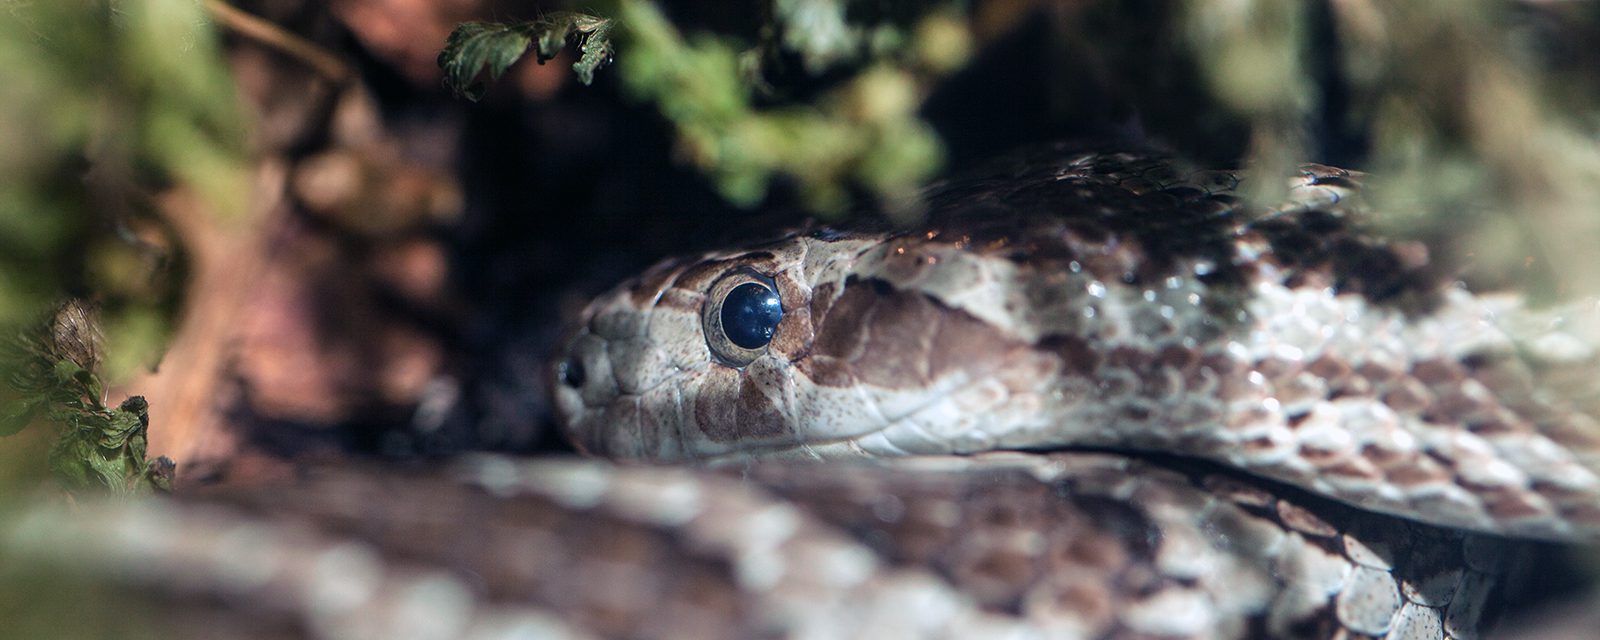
[
  {"x": 830, "y": 344},
  {"x": 712, "y": 355}
]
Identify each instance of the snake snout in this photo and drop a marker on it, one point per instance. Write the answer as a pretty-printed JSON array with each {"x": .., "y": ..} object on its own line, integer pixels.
[{"x": 583, "y": 386}]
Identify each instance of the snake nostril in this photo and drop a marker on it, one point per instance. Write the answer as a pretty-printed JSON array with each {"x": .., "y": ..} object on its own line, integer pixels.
[{"x": 572, "y": 373}]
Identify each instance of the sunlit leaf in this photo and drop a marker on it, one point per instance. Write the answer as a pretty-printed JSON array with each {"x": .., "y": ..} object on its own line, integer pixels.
[{"x": 479, "y": 48}]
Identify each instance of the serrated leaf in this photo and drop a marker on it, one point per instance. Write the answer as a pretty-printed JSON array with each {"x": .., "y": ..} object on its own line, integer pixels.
[
  {"x": 112, "y": 469},
  {"x": 552, "y": 39},
  {"x": 125, "y": 424},
  {"x": 478, "y": 46},
  {"x": 596, "y": 52},
  {"x": 92, "y": 422}
]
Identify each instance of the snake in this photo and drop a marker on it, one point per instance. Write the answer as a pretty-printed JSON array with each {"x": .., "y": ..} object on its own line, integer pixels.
[
  {"x": 1092, "y": 394},
  {"x": 1109, "y": 301}
]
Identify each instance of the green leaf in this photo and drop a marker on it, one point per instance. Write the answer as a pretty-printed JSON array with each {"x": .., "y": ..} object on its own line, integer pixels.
[
  {"x": 474, "y": 46},
  {"x": 126, "y": 424},
  {"x": 111, "y": 468},
  {"x": 552, "y": 40},
  {"x": 595, "y": 49},
  {"x": 71, "y": 458}
]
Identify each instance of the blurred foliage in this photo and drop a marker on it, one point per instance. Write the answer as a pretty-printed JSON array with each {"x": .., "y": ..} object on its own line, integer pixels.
[
  {"x": 55, "y": 376},
  {"x": 107, "y": 107},
  {"x": 57, "y": 599},
  {"x": 1480, "y": 118},
  {"x": 863, "y": 131},
  {"x": 1477, "y": 118},
  {"x": 1480, "y": 136}
]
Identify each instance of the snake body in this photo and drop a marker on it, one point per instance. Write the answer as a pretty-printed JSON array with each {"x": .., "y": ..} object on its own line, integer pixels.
[
  {"x": 1080, "y": 299},
  {"x": 1023, "y": 547},
  {"x": 1095, "y": 395}
]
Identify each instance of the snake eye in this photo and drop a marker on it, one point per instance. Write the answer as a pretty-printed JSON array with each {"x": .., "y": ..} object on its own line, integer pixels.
[
  {"x": 741, "y": 315},
  {"x": 750, "y": 313}
]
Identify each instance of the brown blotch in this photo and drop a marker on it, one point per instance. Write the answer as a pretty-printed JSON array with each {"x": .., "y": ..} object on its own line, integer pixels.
[
  {"x": 841, "y": 332},
  {"x": 758, "y": 418},
  {"x": 1438, "y": 372},
  {"x": 1420, "y": 471},
  {"x": 1408, "y": 396},
  {"x": 1560, "y": 494},
  {"x": 1277, "y": 368},
  {"x": 1377, "y": 373},
  {"x": 962, "y": 341},
  {"x": 1300, "y": 519},
  {"x": 920, "y": 535},
  {"x": 795, "y": 333},
  {"x": 1353, "y": 468},
  {"x": 1129, "y": 358},
  {"x": 1509, "y": 505},
  {"x": 1582, "y": 514},
  {"x": 1322, "y": 458},
  {"x": 1497, "y": 423},
  {"x": 731, "y": 407},
  {"x": 995, "y": 574},
  {"x": 1232, "y": 382},
  {"x": 899, "y": 335},
  {"x": 1456, "y": 407},
  {"x": 1350, "y": 387},
  {"x": 1258, "y": 444},
  {"x": 822, "y": 299},
  {"x": 1570, "y": 431},
  {"x": 1380, "y": 456},
  {"x": 878, "y": 334},
  {"x": 1177, "y": 357},
  {"x": 1240, "y": 493},
  {"x": 1075, "y": 353},
  {"x": 1083, "y": 598},
  {"x": 714, "y": 410},
  {"x": 1331, "y": 368},
  {"x": 826, "y": 371},
  {"x": 1090, "y": 549}
]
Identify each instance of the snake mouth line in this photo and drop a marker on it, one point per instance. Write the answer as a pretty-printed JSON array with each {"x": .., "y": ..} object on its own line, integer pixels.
[{"x": 1196, "y": 470}]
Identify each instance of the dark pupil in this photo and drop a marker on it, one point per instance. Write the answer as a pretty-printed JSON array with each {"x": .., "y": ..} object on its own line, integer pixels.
[{"x": 750, "y": 314}]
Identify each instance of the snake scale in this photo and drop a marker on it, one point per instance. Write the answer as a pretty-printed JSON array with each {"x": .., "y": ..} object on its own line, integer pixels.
[{"x": 1094, "y": 394}]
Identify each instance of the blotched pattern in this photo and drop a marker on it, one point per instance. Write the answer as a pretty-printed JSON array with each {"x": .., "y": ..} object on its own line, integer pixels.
[
  {"x": 996, "y": 546},
  {"x": 1073, "y": 298}
]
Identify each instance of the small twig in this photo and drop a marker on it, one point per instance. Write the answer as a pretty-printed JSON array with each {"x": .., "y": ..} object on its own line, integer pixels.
[{"x": 274, "y": 36}]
